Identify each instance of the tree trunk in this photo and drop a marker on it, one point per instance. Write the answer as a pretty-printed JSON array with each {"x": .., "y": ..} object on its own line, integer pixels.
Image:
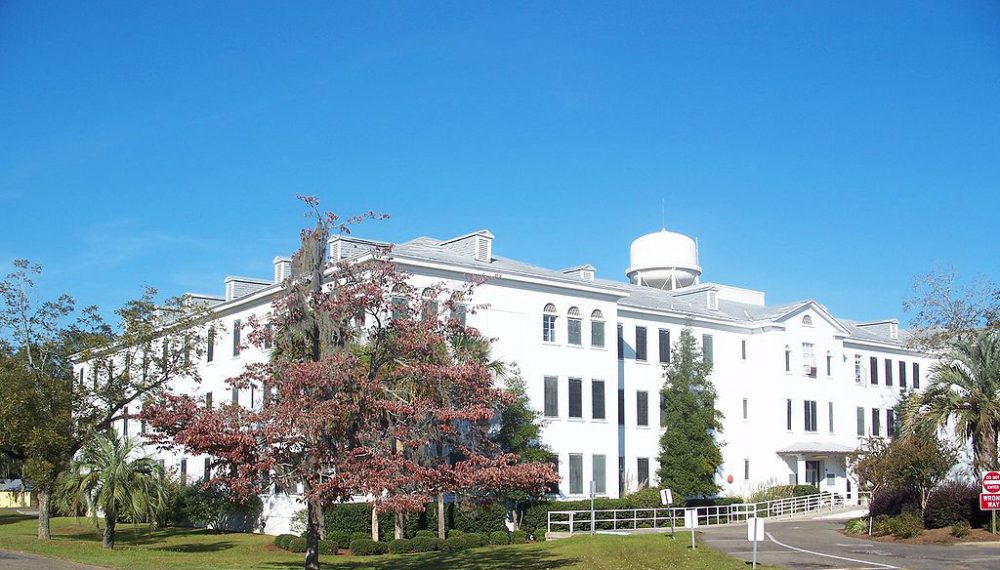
[
  {"x": 375, "y": 532},
  {"x": 322, "y": 521},
  {"x": 44, "y": 529},
  {"x": 109, "y": 529},
  {"x": 313, "y": 523},
  {"x": 441, "y": 526},
  {"x": 400, "y": 530}
]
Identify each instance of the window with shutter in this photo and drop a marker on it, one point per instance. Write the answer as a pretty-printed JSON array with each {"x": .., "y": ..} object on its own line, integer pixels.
[
  {"x": 642, "y": 408},
  {"x": 551, "y": 397},
  {"x": 575, "y": 398},
  {"x": 599, "y": 477},
  {"x": 575, "y": 474},
  {"x": 664, "y": 346},
  {"x": 597, "y": 399}
]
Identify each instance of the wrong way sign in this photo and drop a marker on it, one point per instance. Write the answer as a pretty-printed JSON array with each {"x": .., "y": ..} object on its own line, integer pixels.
[{"x": 989, "y": 502}]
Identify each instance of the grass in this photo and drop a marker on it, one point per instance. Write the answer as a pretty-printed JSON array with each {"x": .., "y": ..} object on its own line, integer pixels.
[{"x": 187, "y": 549}]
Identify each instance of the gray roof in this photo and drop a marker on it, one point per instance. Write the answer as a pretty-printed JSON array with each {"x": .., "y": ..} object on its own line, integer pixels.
[{"x": 14, "y": 485}]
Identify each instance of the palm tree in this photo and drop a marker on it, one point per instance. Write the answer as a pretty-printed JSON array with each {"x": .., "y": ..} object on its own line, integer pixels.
[
  {"x": 106, "y": 480},
  {"x": 964, "y": 393}
]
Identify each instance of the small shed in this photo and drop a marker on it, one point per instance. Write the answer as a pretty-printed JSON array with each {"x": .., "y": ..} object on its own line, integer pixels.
[{"x": 16, "y": 494}]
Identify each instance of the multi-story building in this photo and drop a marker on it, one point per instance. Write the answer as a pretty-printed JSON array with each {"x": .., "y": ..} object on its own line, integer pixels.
[{"x": 799, "y": 388}]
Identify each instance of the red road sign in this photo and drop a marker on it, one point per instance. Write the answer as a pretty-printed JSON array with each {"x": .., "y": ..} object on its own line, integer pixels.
[
  {"x": 989, "y": 502},
  {"x": 991, "y": 482}
]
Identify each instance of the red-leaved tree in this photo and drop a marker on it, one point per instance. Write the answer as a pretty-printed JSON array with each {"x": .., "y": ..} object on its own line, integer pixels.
[{"x": 372, "y": 389}]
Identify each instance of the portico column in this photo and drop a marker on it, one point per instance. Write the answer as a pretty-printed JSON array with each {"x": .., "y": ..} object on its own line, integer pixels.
[{"x": 800, "y": 469}]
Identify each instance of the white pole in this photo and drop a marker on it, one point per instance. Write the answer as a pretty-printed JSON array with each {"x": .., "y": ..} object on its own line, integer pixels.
[
  {"x": 754, "y": 542},
  {"x": 593, "y": 526}
]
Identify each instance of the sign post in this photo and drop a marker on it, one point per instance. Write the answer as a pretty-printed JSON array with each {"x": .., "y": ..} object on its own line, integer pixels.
[
  {"x": 989, "y": 499},
  {"x": 691, "y": 522},
  {"x": 593, "y": 524},
  {"x": 755, "y": 532},
  {"x": 667, "y": 498}
]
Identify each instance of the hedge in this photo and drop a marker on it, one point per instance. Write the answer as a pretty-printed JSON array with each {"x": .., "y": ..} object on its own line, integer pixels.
[
  {"x": 499, "y": 537},
  {"x": 368, "y": 547},
  {"x": 328, "y": 547},
  {"x": 341, "y": 538},
  {"x": 359, "y": 536},
  {"x": 357, "y": 517},
  {"x": 282, "y": 540},
  {"x": 400, "y": 546},
  {"x": 297, "y": 545},
  {"x": 519, "y": 537},
  {"x": 426, "y": 534},
  {"x": 953, "y": 502},
  {"x": 894, "y": 502},
  {"x": 425, "y": 544}
]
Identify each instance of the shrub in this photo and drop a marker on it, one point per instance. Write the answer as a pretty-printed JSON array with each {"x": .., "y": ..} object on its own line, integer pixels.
[
  {"x": 906, "y": 525},
  {"x": 368, "y": 547},
  {"x": 455, "y": 544},
  {"x": 425, "y": 544},
  {"x": 519, "y": 537},
  {"x": 282, "y": 540},
  {"x": 328, "y": 547},
  {"x": 426, "y": 534},
  {"x": 961, "y": 529},
  {"x": 478, "y": 539},
  {"x": 455, "y": 532},
  {"x": 539, "y": 535},
  {"x": 359, "y": 536},
  {"x": 804, "y": 490},
  {"x": 400, "y": 546},
  {"x": 297, "y": 545},
  {"x": 894, "y": 502},
  {"x": 951, "y": 502},
  {"x": 856, "y": 526},
  {"x": 882, "y": 525},
  {"x": 341, "y": 538},
  {"x": 499, "y": 537}
]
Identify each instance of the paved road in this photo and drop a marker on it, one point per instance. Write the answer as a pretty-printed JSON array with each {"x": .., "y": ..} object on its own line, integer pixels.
[
  {"x": 10, "y": 560},
  {"x": 817, "y": 544}
]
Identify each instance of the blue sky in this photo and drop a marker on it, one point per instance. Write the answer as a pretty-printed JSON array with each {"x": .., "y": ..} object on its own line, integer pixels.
[{"x": 817, "y": 150}]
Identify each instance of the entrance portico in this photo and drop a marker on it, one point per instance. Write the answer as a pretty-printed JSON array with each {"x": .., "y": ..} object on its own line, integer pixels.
[{"x": 823, "y": 465}]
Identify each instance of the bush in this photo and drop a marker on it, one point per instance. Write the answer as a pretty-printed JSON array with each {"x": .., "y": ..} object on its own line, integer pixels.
[
  {"x": 894, "y": 502},
  {"x": 368, "y": 547},
  {"x": 455, "y": 544},
  {"x": 426, "y": 534},
  {"x": 882, "y": 525},
  {"x": 359, "y": 536},
  {"x": 539, "y": 535},
  {"x": 455, "y": 532},
  {"x": 425, "y": 544},
  {"x": 907, "y": 525},
  {"x": 951, "y": 502},
  {"x": 804, "y": 490},
  {"x": 339, "y": 537},
  {"x": 282, "y": 540},
  {"x": 400, "y": 546},
  {"x": 519, "y": 537},
  {"x": 499, "y": 537},
  {"x": 328, "y": 547},
  {"x": 477, "y": 539},
  {"x": 856, "y": 526},
  {"x": 297, "y": 545},
  {"x": 961, "y": 529}
]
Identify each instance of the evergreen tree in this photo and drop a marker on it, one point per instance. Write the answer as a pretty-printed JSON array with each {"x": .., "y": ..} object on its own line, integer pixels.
[{"x": 690, "y": 455}]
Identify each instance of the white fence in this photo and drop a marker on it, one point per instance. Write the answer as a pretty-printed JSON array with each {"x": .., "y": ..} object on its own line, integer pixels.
[{"x": 662, "y": 518}]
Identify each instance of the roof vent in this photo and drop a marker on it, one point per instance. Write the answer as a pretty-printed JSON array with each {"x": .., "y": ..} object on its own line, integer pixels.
[
  {"x": 282, "y": 268},
  {"x": 583, "y": 272},
  {"x": 238, "y": 287},
  {"x": 477, "y": 245},
  {"x": 346, "y": 247},
  {"x": 887, "y": 328}
]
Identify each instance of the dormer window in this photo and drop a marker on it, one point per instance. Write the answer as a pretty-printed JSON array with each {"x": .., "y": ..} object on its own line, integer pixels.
[
  {"x": 713, "y": 300},
  {"x": 807, "y": 321},
  {"x": 549, "y": 323},
  {"x": 574, "y": 327}
]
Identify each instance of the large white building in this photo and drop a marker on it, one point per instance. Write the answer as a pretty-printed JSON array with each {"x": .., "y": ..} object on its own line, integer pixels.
[{"x": 799, "y": 387}]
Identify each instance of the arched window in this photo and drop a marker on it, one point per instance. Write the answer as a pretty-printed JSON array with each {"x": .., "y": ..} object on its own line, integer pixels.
[
  {"x": 597, "y": 328},
  {"x": 574, "y": 327},
  {"x": 458, "y": 306},
  {"x": 398, "y": 304},
  {"x": 788, "y": 359},
  {"x": 549, "y": 323},
  {"x": 430, "y": 304},
  {"x": 807, "y": 320}
]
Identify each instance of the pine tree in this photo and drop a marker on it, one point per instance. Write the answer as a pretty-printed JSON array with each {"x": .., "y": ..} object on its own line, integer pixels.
[{"x": 690, "y": 454}]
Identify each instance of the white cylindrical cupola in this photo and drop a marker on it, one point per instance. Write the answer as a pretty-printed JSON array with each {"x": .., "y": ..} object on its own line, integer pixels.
[{"x": 664, "y": 260}]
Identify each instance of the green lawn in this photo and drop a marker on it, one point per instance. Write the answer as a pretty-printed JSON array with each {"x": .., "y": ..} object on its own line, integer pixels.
[{"x": 77, "y": 540}]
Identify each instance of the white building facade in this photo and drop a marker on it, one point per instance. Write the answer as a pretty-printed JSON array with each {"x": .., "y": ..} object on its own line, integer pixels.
[{"x": 799, "y": 388}]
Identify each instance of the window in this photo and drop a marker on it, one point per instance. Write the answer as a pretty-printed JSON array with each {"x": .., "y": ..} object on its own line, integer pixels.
[
  {"x": 621, "y": 342},
  {"x": 574, "y": 327},
  {"x": 236, "y": 395},
  {"x": 549, "y": 323},
  {"x": 858, "y": 377},
  {"x": 916, "y": 376},
  {"x": 458, "y": 308},
  {"x": 861, "y": 422},
  {"x": 184, "y": 471},
  {"x": 746, "y": 469},
  {"x": 829, "y": 364},
  {"x": 788, "y": 359},
  {"x": 268, "y": 336},
  {"x": 553, "y": 487},
  {"x": 829, "y": 415},
  {"x": 125, "y": 422},
  {"x": 746, "y": 408},
  {"x": 788, "y": 414},
  {"x": 210, "y": 349},
  {"x": 642, "y": 472},
  {"x": 208, "y": 400},
  {"x": 398, "y": 305},
  {"x": 809, "y": 415},
  {"x": 142, "y": 427},
  {"x": 597, "y": 329},
  {"x": 902, "y": 374},
  {"x": 640, "y": 343},
  {"x": 621, "y": 406},
  {"x": 237, "y": 329},
  {"x": 890, "y": 423},
  {"x": 575, "y": 398},
  {"x": 807, "y": 321},
  {"x": 743, "y": 348},
  {"x": 430, "y": 304},
  {"x": 888, "y": 372},
  {"x": 597, "y": 399},
  {"x": 707, "y": 348},
  {"x": 599, "y": 467},
  {"x": 208, "y": 469},
  {"x": 575, "y": 474},
  {"x": 664, "y": 346},
  {"x": 876, "y": 422},
  {"x": 642, "y": 408},
  {"x": 551, "y": 397},
  {"x": 808, "y": 360},
  {"x": 873, "y": 366},
  {"x": 663, "y": 410}
]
